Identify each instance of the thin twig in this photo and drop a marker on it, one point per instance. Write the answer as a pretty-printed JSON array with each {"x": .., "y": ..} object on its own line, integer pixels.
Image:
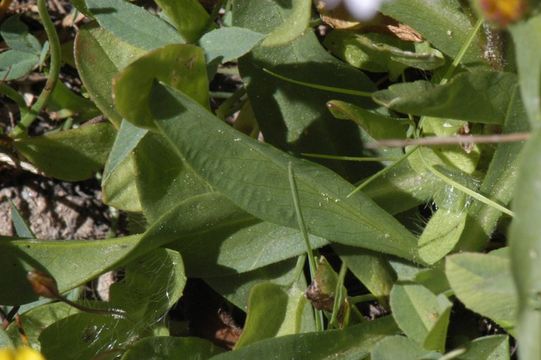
[{"x": 452, "y": 140}]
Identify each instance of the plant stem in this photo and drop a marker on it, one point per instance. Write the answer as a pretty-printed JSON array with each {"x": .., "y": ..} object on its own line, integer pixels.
[
  {"x": 450, "y": 71},
  {"x": 54, "y": 47},
  {"x": 349, "y": 158},
  {"x": 452, "y": 140},
  {"x": 465, "y": 189},
  {"x": 338, "y": 296},
  {"x": 320, "y": 87},
  {"x": 304, "y": 232},
  {"x": 381, "y": 173}
]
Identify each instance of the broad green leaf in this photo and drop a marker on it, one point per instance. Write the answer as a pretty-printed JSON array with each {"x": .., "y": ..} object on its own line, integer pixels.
[
  {"x": 69, "y": 155},
  {"x": 499, "y": 182},
  {"x": 180, "y": 66},
  {"x": 376, "y": 125},
  {"x": 432, "y": 278},
  {"x": 24, "y": 49},
  {"x": 525, "y": 246},
  {"x": 354, "y": 342},
  {"x": 401, "y": 189},
  {"x": 528, "y": 57},
  {"x": 483, "y": 282},
  {"x": 133, "y": 24},
  {"x": 120, "y": 189},
  {"x": 244, "y": 245},
  {"x": 297, "y": 21},
  {"x": 381, "y": 53},
  {"x": 71, "y": 263},
  {"x": 127, "y": 139},
  {"x": 290, "y": 116},
  {"x": 84, "y": 336},
  {"x": 371, "y": 268},
  {"x": 99, "y": 56},
  {"x": 163, "y": 178},
  {"x": 22, "y": 229},
  {"x": 400, "y": 347},
  {"x": 118, "y": 185},
  {"x": 171, "y": 348},
  {"x": 236, "y": 288},
  {"x": 17, "y": 37},
  {"x": 15, "y": 64},
  {"x": 441, "y": 234},
  {"x": 443, "y": 22},
  {"x": 229, "y": 43},
  {"x": 477, "y": 96},
  {"x": 147, "y": 301},
  {"x": 263, "y": 172},
  {"x": 495, "y": 347},
  {"x": 267, "y": 307},
  {"x": 37, "y": 319},
  {"x": 189, "y": 16},
  {"x": 422, "y": 315},
  {"x": 64, "y": 103}
]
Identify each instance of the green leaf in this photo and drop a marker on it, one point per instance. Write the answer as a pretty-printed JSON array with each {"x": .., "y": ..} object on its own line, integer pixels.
[
  {"x": 262, "y": 170},
  {"x": 133, "y": 24},
  {"x": 236, "y": 288},
  {"x": 371, "y": 268},
  {"x": 71, "y": 263},
  {"x": 127, "y": 139},
  {"x": 422, "y": 315},
  {"x": 499, "y": 182},
  {"x": 524, "y": 34},
  {"x": 171, "y": 348},
  {"x": 99, "y": 56},
  {"x": 17, "y": 37},
  {"x": 21, "y": 227},
  {"x": 381, "y": 53},
  {"x": 244, "y": 245},
  {"x": 525, "y": 244},
  {"x": 15, "y": 64},
  {"x": 297, "y": 21},
  {"x": 189, "y": 17},
  {"x": 290, "y": 116},
  {"x": 477, "y": 96},
  {"x": 401, "y": 189},
  {"x": 84, "y": 336},
  {"x": 376, "y": 125},
  {"x": 147, "y": 301},
  {"x": 163, "y": 178},
  {"x": 120, "y": 189},
  {"x": 495, "y": 347},
  {"x": 267, "y": 307},
  {"x": 441, "y": 234},
  {"x": 483, "y": 282},
  {"x": 66, "y": 103},
  {"x": 37, "y": 319},
  {"x": 229, "y": 43},
  {"x": 443, "y": 22},
  {"x": 69, "y": 155},
  {"x": 399, "y": 347},
  {"x": 180, "y": 66},
  {"x": 352, "y": 343}
]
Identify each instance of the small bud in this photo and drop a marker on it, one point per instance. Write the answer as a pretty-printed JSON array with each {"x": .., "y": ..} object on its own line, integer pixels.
[{"x": 43, "y": 284}]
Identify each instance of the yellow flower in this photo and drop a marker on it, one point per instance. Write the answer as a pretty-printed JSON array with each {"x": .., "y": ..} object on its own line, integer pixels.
[
  {"x": 22, "y": 353},
  {"x": 503, "y": 12}
]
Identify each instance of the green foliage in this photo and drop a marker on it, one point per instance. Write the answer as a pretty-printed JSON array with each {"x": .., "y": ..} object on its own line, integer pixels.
[{"x": 208, "y": 118}]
